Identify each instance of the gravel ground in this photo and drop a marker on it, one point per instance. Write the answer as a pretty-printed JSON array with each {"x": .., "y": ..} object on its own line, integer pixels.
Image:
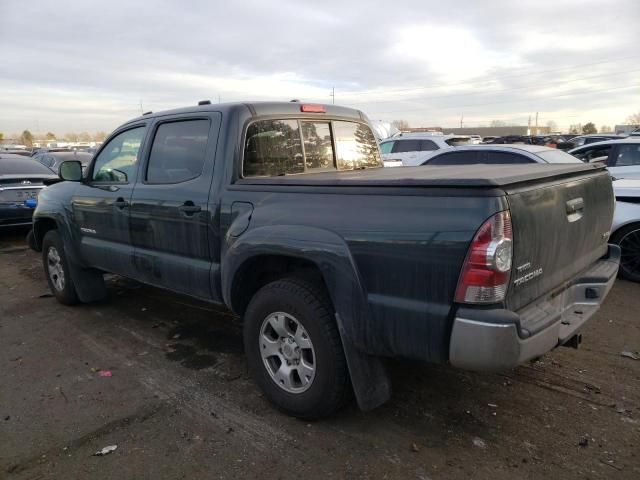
[{"x": 180, "y": 404}]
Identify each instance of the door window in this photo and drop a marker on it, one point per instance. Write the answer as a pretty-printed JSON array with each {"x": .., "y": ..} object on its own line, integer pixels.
[
  {"x": 427, "y": 146},
  {"x": 599, "y": 154},
  {"x": 178, "y": 151},
  {"x": 117, "y": 161},
  {"x": 628, "y": 156},
  {"x": 403, "y": 146},
  {"x": 455, "y": 158}
]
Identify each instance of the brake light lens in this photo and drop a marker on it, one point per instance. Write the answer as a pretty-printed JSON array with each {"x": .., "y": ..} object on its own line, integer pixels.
[
  {"x": 310, "y": 108},
  {"x": 487, "y": 268}
]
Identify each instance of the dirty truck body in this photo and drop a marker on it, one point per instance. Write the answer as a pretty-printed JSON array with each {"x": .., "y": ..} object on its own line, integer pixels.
[{"x": 484, "y": 267}]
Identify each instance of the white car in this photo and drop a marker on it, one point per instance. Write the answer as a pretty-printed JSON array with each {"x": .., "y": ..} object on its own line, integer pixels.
[
  {"x": 411, "y": 149},
  {"x": 622, "y": 157},
  {"x": 625, "y": 230}
]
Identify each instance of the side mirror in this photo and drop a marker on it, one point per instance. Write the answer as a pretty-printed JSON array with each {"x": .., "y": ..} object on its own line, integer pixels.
[{"x": 71, "y": 171}]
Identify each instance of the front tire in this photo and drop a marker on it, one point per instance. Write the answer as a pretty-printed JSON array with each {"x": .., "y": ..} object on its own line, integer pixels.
[
  {"x": 294, "y": 350},
  {"x": 56, "y": 269},
  {"x": 628, "y": 239}
]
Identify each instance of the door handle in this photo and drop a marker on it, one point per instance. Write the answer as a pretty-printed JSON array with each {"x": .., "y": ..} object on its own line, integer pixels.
[
  {"x": 188, "y": 208},
  {"x": 120, "y": 203}
]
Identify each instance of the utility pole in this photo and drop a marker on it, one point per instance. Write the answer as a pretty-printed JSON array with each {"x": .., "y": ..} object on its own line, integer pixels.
[
  {"x": 529, "y": 126},
  {"x": 461, "y": 120},
  {"x": 219, "y": 101},
  {"x": 333, "y": 95},
  {"x": 536, "y": 123},
  {"x": 141, "y": 109}
]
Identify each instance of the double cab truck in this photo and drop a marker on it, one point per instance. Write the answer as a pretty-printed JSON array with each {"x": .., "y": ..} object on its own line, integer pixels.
[{"x": 283, "y": 213}]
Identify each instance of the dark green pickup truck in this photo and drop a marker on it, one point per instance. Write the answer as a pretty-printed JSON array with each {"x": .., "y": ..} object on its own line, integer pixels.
[{"x": 282, "y": 212}]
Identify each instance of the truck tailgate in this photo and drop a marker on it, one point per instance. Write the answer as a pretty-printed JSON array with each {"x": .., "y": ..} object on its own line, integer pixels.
[{"x": 560, "y": 227}]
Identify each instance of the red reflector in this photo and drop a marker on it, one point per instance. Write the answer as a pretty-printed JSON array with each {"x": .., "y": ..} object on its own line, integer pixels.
[{"x": 309, "y": 108}]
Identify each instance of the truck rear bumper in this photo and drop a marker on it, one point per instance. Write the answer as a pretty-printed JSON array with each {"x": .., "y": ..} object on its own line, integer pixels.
[{"x": 495, "y": 340}]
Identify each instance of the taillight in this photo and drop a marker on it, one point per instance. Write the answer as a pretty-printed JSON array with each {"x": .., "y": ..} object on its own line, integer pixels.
[{"x": 486, "y": 270}]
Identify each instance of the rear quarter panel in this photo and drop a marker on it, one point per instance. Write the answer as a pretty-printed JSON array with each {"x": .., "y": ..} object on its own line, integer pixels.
[{"x": 406, "y": 245}]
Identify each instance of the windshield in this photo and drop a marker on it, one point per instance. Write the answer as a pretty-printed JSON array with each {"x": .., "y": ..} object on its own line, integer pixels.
[{"x": 557, "y": 156}]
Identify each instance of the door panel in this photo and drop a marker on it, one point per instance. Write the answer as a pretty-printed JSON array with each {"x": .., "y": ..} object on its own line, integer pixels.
[
  {"x": 101, "y": 205},
  {"x": 170, "y": 210}
]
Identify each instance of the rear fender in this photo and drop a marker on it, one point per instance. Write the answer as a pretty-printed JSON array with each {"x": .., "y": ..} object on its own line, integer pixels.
[{"x": 331, "y": 255}]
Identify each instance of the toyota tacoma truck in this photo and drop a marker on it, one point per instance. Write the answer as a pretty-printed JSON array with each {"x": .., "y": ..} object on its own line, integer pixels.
[{"x": 283, "y": 213}]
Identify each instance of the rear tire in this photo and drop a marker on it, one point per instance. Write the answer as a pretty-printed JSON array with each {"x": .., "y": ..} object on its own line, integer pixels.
[
  {"x": 628, "y": 239},
  {"x": 56, "y": 269},
  {"x": 294, "y": 350}
]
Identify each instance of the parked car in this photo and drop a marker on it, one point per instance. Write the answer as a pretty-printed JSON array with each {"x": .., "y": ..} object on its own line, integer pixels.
[
  {"x": 501, "y": 154},
  {"x": 282, "y": 212},
  {"x": 488, "y": 139},
  {"x": 410, "y": 149},
  {"x": 37, "y": 151},
  {"x": 622, "y": 157},
  {"x": 21, "y": 180},
  {"x": 581, "y": 140},
  {"x": 475, "y": 139},
  {"x": 19, "y": 152},
  {"x": 625, "y": 230},
  {"x": 53, "y": 160}
]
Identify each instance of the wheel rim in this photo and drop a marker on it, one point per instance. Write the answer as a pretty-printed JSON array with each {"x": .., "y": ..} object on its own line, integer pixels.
[
  {"x": 54, "y": 267},
  {"x": 630, "y": 259},
  {"x": 287, "y": 352}
]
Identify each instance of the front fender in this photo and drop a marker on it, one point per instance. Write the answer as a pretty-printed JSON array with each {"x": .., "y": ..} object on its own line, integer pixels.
[{"x": 322, "y": 247}]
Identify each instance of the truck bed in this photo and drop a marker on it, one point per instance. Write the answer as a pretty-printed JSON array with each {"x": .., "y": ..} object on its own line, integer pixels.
[{"x": 482, "y": 175}]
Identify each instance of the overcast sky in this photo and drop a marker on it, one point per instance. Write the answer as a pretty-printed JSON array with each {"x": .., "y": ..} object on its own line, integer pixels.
[{"x": 87, "y": 65}]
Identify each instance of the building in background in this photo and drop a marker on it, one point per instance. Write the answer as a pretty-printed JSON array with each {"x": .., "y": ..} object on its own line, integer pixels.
[{"x": 625, "y": 129}]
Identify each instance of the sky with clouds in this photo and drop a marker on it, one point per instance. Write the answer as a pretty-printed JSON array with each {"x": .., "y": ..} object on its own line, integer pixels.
[{"x": 73, "y": 65}]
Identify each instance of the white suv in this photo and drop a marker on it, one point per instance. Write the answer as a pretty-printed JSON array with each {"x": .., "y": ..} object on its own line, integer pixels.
[
  {"x": 622, "y": 157},
  {"x": 411, "y": 149}
]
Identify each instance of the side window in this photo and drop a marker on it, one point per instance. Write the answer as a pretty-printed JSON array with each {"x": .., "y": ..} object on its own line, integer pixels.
[
  {"x": 428, "y": 146},
  {"x": 272, "y": 147},
  {"x": 356, "y": 147},
  {"x": 594, "y": 154},
  {"x": 385, "y": 147},
  {"x": 178, "y": 151},
  {"x": 118, "y": 159},
  {"x": 403, "y": 146},
  {"x": 628, "y": 156},
  {"x": 318, "y": 147},
  {"x": 454, "y": 158},
  {"x": 505, "y": 158}
]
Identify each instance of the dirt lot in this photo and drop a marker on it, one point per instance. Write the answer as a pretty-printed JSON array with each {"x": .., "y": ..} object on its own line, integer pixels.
[{"x": 179, "y": 403}]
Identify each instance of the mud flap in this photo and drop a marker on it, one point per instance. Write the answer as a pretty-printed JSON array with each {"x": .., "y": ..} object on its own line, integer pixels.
[
  {"x": 369, "y": 377},
  {"x": 89, "y": 283}
]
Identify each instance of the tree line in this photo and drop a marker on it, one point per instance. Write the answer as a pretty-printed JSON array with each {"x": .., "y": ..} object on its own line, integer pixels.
[{"x": 28, "y": 138}]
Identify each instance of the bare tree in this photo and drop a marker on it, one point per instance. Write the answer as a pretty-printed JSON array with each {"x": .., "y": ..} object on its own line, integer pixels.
[
  {"x": 634, "y": 119},
  {"x": 605, "y": 129},
  {"x": 99, "y": 136},
  {"x": 71, "y": 137},
  {"x": 1, "y": 136},
  {"x": 84, "y": 137},
  {"x": 26, "y": 138},
  {"x": 575, "y": 129},
  {"x": 400, "y": 124},
  {"x": 552, "y": 126}
]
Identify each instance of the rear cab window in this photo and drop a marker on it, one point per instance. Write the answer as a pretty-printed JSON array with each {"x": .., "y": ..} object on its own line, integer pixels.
[{"x": 295, "y": 146}]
